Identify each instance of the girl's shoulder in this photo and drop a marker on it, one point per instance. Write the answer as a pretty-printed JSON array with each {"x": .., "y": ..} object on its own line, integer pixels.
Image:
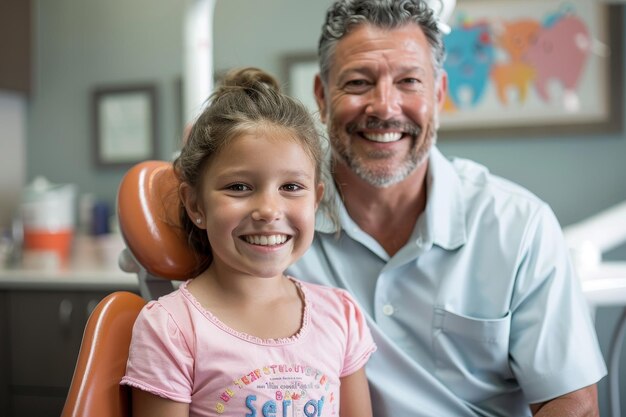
[{"x": 175, "y": 305}]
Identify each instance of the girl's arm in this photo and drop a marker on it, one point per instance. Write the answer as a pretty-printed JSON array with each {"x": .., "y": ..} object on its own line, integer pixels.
[
  {"x": 150, "y": 405},
  {"x": 354, "y": 399}
]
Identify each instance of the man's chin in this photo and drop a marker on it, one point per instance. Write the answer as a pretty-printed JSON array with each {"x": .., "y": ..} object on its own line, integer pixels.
[{"x": 384, "y": 179}]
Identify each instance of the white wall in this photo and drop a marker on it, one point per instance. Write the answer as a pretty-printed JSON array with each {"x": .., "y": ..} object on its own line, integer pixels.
[{"x": 12, "y": 153}]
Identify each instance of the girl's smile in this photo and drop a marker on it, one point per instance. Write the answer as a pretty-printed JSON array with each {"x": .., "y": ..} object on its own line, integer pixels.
[{"x": 262, "y": 240}]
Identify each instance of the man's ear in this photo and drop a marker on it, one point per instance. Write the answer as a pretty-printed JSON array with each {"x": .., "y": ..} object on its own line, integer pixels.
[
  {"x": 442, "y": 89},
  {"x": 320, "y": 97},
  {"x": 319, "y": 193},
  {"x": 190, "y": 201}
]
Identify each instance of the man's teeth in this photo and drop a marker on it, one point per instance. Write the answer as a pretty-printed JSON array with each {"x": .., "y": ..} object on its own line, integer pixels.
[
  {"x": 266, "y": 240},
  {"x": 383, "y": 137}
]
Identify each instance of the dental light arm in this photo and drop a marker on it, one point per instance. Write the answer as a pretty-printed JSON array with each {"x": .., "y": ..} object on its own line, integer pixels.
[
  {"x": 598, "y": 234},
  {"x": 443, "y": 10},
  {"x": 588, "y": 240}
]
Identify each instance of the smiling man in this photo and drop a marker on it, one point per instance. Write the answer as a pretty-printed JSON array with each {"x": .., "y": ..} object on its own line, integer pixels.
[{"x": 464, "y": 276}]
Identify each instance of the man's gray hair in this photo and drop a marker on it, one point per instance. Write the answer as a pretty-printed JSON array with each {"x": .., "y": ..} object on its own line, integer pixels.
[{"x": 343, "y": 15}]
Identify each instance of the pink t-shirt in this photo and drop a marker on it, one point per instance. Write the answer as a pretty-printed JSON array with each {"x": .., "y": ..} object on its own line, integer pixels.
[{"x": 181, "y": 351}]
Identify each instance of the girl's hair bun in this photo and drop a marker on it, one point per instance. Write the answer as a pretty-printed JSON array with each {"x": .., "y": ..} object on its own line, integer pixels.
[{"x": 251, "y": 80}]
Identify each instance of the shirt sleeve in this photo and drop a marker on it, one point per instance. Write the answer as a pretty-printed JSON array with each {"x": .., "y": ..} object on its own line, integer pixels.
[
  {"x": 554, "y": 348},
  {"x": 160, "y": 360},
  {"x": 360, "y": 344}
]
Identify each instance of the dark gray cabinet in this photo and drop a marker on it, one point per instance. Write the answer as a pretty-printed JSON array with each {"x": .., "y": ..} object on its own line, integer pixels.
[
  {"x": 40, "y": 336},
  {"x": 16, "y": 45},
  {"x": 4, "y": 354}
]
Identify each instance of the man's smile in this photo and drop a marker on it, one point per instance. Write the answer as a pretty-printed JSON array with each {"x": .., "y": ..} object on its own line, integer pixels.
[{"x": 382, "y": 137}]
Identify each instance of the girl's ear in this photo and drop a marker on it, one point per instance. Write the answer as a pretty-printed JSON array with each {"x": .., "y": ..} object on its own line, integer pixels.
[
  {"x": 190, "y": 201},
  {"x": 319, "y": 193}
]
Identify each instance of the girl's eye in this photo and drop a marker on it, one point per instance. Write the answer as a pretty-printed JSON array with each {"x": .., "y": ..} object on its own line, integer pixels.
[
  {"x": 291, "y": 187},
  {"x": 238, "y": 187}
]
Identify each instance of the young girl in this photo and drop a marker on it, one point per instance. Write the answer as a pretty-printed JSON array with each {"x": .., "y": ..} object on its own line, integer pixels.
[{"x": 242, "y": 339}]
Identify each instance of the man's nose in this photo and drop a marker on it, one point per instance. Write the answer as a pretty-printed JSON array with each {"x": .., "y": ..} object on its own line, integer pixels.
[
  {"x": 384, "y": 100},
  {"x": 267, "y": 208}
]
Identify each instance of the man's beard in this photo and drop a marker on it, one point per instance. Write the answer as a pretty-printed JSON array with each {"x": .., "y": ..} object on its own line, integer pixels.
[{"x": 382, "y": 178}]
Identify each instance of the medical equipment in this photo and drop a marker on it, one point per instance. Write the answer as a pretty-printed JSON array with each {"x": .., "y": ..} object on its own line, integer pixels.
[{"x": 588, "y": 240}]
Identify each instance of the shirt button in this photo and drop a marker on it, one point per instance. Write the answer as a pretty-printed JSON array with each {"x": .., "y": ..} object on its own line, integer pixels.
[{"x": 388, "y": 310}]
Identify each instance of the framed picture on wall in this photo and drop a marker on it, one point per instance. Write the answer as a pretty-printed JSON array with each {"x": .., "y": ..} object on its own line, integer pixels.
[
  {"x": 124, "y": 124},
  {"x": 532, "y": 67},
  {"x": 300, "y": 71}
]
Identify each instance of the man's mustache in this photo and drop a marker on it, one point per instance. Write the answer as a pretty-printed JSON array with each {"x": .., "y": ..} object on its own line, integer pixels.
[{"x": 409, "y": 128}]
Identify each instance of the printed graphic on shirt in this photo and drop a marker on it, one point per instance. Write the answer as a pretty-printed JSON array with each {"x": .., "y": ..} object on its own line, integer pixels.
[{"x": 280, "y": 390}]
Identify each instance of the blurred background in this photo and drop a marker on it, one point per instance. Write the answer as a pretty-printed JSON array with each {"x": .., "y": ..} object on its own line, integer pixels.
[{"x": 55, "y": 55}]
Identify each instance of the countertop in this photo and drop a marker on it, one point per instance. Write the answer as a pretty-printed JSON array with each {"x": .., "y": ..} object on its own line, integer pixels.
[
  {"x": 93, "y": 266},
  {"x": 95, "y": 278}
]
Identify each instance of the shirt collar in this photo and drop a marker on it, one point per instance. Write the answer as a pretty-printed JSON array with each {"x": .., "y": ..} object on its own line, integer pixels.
[
  {"x": 445, "y": 207},
  {"x": 443, "y": 222}
]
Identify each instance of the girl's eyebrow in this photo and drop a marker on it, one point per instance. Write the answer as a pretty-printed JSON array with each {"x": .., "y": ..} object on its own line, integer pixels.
[
  {"x": 300, "y": 173},
  {"x": 294, "y": 173}
]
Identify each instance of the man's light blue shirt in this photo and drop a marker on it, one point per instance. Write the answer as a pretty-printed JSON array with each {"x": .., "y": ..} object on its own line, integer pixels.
[{"x": 480, "y": 313}]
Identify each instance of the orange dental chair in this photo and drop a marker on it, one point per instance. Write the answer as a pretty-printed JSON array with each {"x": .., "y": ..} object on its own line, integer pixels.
[{"x": 157, "y": 250}]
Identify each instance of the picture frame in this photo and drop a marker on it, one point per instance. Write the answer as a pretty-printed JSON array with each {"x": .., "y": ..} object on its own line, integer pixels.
[
  {"x": 124, "y": 124},
  {"x": 506, "y": 73},
  {"x": 299, "y": 70}
]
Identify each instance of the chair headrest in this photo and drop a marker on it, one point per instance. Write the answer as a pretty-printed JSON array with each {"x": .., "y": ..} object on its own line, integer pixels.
[{"x": 148, "y": 206}]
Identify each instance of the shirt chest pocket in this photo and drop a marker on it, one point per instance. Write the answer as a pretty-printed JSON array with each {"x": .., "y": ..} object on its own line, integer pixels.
[{"x": 472, "y": 354}]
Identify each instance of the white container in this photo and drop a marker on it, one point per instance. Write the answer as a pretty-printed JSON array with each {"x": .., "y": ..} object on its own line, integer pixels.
[
  {"x": 47, "y": 206},
  {"x": 48, "y": 215}
]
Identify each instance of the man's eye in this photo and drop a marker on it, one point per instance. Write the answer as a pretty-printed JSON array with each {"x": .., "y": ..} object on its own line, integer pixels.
[
  {"x": 356, "y": 85},
  {"x": 411, "y": 81},
  {"x": 238, "y": 187}
]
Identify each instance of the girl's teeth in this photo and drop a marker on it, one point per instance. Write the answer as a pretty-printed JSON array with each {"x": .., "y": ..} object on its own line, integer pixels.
[{"x": 266, "y": 240}]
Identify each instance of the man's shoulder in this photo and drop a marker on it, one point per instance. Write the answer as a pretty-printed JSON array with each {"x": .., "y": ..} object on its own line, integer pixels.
[
  {"x": 478, "y": 183},
  {"x": 483, "y": 198}
]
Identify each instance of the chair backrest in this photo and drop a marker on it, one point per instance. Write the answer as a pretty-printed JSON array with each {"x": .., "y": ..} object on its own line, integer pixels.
[
  {"x": 147, "y": 206},
  {"x": 95, "y": 390}
]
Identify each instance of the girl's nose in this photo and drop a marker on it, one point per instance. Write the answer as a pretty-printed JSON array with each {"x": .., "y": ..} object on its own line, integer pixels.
[{"x": 267, "y": 210}]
